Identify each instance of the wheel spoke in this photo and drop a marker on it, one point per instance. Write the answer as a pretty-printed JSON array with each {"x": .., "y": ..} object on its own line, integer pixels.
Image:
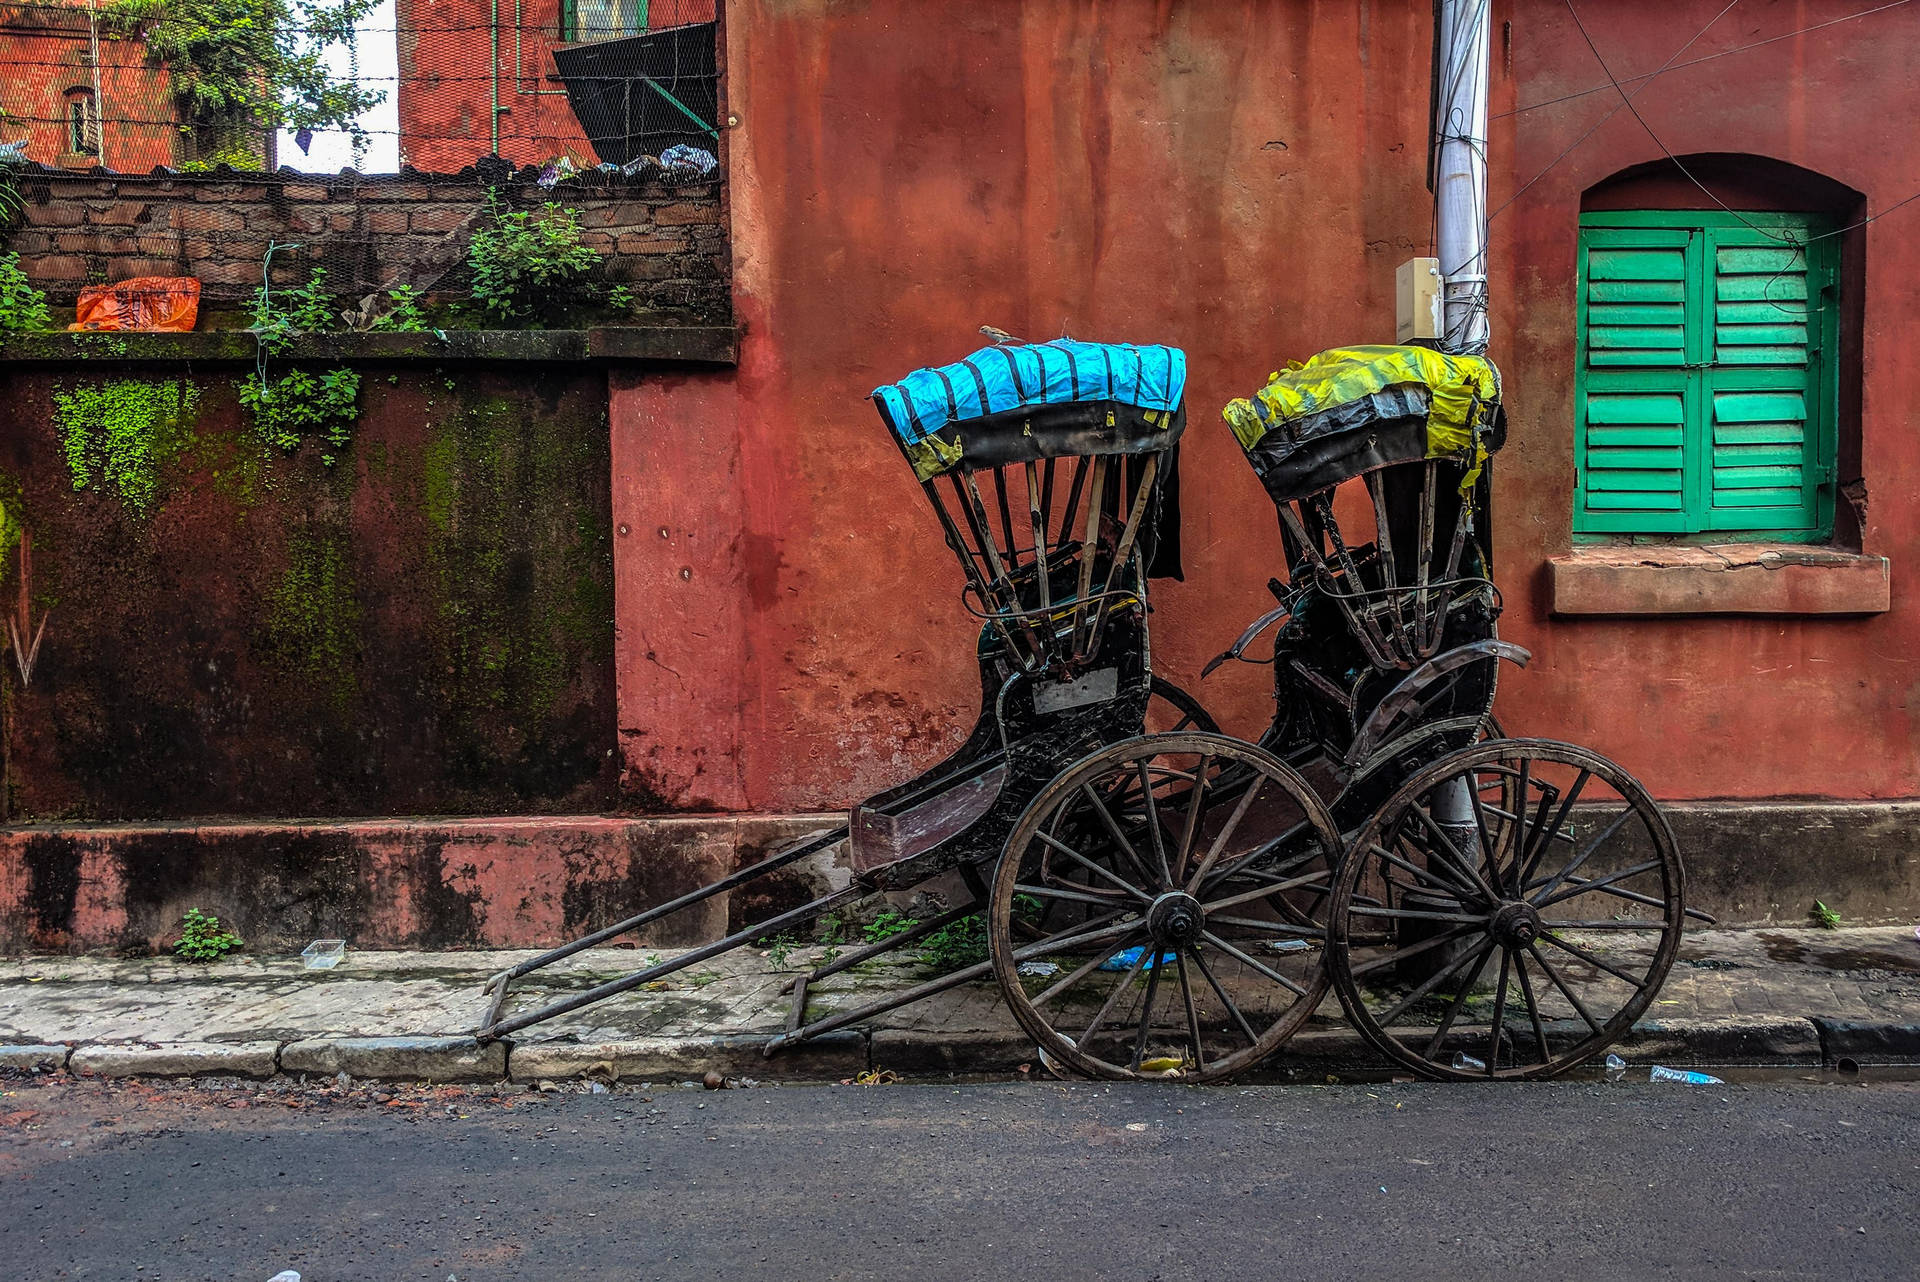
[
  {"x": 1241, "y": 867},
  {"x": 1196, "y": 810},
  {"x": 1543, "y": 841},
  {"x": 1262, "y": 892},
  {"x": 1091, "y": 932},
  {"x": 1580, "y": 885},
  {"x": 1520, "y": 803},
  {"x": 1533, "y": 1007},
  {"x": 1272, "y": 927},
  {"x": 1553, "y": 976},
  {"x": 1193, "y": 1014},
  {"x": 1113, "y": 830},
  {"x": 1225, "y": 834},
  {"x": 1430, "y": 983},
  {"x": 1099, "y": 960},
  {"x": 1412, "y": 950},
  {"x": 1608, "y": 924},
  {"x": 1459, "y": 1002},
  {"x": 1461, "y": 864},
  {"x": 1480, "y": 823},
  {"x": 1153, "y": 825},
  {"x": 1146, "y": 1013},
  {"x": 1073, "y": 896},
  {"x": 1499, "y": 1014},
  {"x": 1419, "y": 915},
  {"x": 1113, "y": 998},
  {"x": 1095, "y": 868},
  {"x": 1574, "y": 864},
  {"x": 1274, "y": 975},
  {"x": 1590, "y": 959},
  {"x": 1206, "y": 973},
  {"x": 1452, "y": 889}
]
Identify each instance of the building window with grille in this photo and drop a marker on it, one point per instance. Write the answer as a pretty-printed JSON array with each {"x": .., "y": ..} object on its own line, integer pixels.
[
  {"x": 83, "y": 123},
  {"x": 1706, "y": 383}
]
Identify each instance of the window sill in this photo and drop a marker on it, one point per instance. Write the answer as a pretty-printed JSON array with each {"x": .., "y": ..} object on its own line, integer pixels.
[{"x": 1731, "y": 578}]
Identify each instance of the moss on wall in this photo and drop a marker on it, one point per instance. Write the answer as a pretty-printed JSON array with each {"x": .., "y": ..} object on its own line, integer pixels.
[
  {"x": 424, "y": 627},
  {"x": 310, "y": 624},
  {"x": 120, "y": 433}
]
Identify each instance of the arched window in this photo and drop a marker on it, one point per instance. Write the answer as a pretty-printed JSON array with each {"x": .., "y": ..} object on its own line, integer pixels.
[
  {"x": 1712, "y": 351},
  {"x": 83, "y": 122}
]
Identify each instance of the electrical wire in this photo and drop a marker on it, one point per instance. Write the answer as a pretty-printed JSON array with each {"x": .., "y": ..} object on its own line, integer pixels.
[
  {"x": 1645, "y": 81},
  {"x": 1694, "y": 62}
]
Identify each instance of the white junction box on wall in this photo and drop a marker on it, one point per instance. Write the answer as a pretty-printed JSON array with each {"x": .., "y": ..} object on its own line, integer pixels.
[{"x": 1416, "y": 300}]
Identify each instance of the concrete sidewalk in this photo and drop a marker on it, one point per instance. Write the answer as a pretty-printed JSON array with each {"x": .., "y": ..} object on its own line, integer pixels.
[{"x": 1770, "y": 997}]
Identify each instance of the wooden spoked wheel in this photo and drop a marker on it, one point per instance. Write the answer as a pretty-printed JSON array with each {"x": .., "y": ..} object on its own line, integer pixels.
[
  {"x": 1508, "y": 912},
  {"x": 1154, "y": 912}
]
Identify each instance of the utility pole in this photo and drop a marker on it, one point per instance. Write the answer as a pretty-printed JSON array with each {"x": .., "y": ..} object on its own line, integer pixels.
[{"x": 1460, "y": 173}]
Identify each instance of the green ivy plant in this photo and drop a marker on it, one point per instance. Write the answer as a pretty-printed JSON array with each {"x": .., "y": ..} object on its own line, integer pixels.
[
  {"x": 202, "y": 938},
  {"x": 522, "y": 261},
  {"x": 299, "y": 405},
  {"x": 277, "y": 319},
  {"x": 120, "y": 433},
  {"x": 23, "y": 309},
  {"x": 404, "y": 314}
]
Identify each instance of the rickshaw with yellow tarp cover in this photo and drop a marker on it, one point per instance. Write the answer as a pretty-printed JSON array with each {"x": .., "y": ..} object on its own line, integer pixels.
[{"x": 1484, "y": 906}]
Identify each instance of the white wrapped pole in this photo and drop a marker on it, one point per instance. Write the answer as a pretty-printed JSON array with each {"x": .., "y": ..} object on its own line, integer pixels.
[{"x": 1460, "y": 173}]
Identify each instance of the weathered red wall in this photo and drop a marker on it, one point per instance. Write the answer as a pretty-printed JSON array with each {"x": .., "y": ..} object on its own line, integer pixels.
[
  {"x": 1709, "y": 706},
  {"x": 1239, "y": 179}
]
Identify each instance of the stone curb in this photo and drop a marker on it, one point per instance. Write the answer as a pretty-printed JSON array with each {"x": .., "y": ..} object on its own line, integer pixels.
[
  {"x": 29, "y": 1059},
  {"x": 830, "y": 1057},
  {"x": 1861, "y": 1039},
  {"x": 1762, "y": 1042},
  {"x": 176, "y": 1059},
  {"x": 403, "y": 1059}
]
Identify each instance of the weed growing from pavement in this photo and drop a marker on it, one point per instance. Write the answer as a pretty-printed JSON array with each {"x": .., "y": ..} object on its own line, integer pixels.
[{"x": 202, "y": 939}]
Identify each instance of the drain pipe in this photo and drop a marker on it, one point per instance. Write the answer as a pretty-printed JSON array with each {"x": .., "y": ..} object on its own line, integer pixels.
[
  {"x": 493, "y": 80},
  {"x": 1460, "y": 183}
]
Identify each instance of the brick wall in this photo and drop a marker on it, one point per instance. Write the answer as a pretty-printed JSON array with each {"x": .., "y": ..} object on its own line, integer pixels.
[{"x": 666, "y": 239}]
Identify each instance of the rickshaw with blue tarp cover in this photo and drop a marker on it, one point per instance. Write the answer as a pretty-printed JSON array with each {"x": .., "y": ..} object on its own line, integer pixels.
[{"x": 1051, "y": 469}]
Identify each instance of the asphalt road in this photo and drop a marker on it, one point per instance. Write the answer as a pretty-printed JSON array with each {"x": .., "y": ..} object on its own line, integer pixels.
[{"x": 1031, "y": 1181}]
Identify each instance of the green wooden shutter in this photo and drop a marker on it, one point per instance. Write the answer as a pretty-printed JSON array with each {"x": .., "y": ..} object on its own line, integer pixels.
[
  {"x": 1706, "y": 392},
  {"x": 1633, "y": 385},
  {"x": 1768, "y": 463}
]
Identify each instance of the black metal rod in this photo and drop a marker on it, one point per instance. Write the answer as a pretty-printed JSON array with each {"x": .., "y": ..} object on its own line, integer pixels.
[
  {"x": 687, "y": 900},
  {"x": 866, "y": 952},
  {"x": 792, "y": 917},
  {"x": 953, "y": 979}
]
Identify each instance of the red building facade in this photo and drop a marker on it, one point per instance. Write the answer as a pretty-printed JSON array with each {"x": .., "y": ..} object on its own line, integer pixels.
[
  {"x": 69, "y": 112},
  {"x": 478, "y": 78}
]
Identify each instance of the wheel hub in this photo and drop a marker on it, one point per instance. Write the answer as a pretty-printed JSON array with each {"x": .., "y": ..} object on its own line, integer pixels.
[
  {"x": 1515, "y": 924},
  {"x": 1176, "y": 919}
]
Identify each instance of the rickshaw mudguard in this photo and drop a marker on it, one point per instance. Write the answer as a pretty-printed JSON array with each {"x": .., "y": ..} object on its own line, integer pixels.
[{"x": 1373, "y": 731}]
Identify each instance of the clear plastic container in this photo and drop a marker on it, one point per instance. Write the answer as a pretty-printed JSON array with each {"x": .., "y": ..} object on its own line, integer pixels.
[{"x": 324, "y": 954}]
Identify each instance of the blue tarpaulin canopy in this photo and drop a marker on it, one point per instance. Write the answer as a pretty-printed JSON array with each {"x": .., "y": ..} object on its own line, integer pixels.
[{"x": 921, "y": 407}]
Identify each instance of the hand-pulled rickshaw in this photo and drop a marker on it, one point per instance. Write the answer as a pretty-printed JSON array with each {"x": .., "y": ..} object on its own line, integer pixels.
[{"x": 1179, "y": 903}]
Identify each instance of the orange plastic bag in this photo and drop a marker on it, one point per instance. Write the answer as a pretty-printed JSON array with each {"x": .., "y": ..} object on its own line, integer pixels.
[{"x": 146, "y": 303}]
